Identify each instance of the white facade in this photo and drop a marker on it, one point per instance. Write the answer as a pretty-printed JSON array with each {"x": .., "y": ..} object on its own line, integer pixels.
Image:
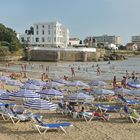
[
  {"x": 105, "y": 39},
  {"x": 50, "y": 34},
  {"x": 74, "y": 41},
  {"x": 136, "y": 40}
]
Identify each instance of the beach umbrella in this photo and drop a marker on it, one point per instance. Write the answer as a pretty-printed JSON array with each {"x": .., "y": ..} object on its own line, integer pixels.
[
  {"x": 26, "y": 94},
  {"x": 135, "y": 92},
  {"x": 133, "y": 84},
  {"x": 36, "y": 82},
  {"x": 79, "y": 96},
  {"x": 40, "y": 105},
  {"x": 78, "y": 83},
  {"x": 14, "y": 83},
  {"x": 4, "y": 78},
  {"x": 97, "y": 83},
  {"x": 6, "y": 96},
  {"x": 52, "y": 92},
  {"x": 31, "y": 87},
  {"x": 62, "y": 81},
  {"x": 53, "y": 84},
  {"x": 103, "y": 92},
  {"x": 121, "y": 90},
  {"x": 2, "y": 91}
]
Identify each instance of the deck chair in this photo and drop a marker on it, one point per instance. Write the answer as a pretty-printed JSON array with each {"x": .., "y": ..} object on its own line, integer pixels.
[
  {"x": 88, "y": 116},
  {"x": 44, "y": 127},
  {"x": 134, "y": 116},
  {"x": 107, "y": 108}
]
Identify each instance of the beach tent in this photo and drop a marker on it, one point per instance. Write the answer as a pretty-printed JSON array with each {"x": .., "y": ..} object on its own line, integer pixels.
[{"x": 40, "y": 105}]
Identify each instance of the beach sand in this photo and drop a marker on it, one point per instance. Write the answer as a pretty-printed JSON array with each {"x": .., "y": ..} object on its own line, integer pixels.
[{"x": 116, "y": 128}]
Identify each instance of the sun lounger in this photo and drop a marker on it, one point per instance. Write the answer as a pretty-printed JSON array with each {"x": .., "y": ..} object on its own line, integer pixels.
[
  {"x": 39, "y": 125},
  {"x": 109, "y": 108}
]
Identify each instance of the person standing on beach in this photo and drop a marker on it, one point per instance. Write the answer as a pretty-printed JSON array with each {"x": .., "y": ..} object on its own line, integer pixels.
[
  {"x": 114, "y": 82},
  {"x": 72, "y": 71},
  {"x": 98, "y": 71}
]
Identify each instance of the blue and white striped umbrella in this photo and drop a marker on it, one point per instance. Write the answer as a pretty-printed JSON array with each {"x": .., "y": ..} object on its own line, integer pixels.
[
  {"x": 122, "y": 91},
  {"x": 31, "y": 87},
  {"x": 62, "y": 81},
  {"x": 103, "y": 92},
  {"x": 36, "y": 82},
  {"x": 78, "y": 83},
  {"x": 27, "y": 94},
  {"x": 6, "y": 96},
  {"x": 133, "y": 85},
  {"x": 54, "y": 84},
  {"x": 78, "y": 96},
  {"x": 97, "y": 83},
  {"x": 52, "y": 92},
  {"x": 135, "y": 92},
  {"x": 4, "y": 78},
  {"x": 40, "y": 105},
  {"x": 2, "y": 91},
  {"x": 14, "y": 83}
]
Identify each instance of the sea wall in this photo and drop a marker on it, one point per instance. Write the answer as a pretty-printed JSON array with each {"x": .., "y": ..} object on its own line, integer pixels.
[
  {"x": 46, "y": 55},
  {"x": 10, "y": 58}
]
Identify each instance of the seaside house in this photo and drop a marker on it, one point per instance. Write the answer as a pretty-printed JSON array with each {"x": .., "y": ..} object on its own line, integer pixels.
[
  {"x": 131, "y": 46},
  {"x": 48, "y": 34}
]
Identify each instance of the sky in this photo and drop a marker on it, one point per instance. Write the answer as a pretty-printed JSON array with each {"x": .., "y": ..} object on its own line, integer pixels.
[{"x": 82, "y": 17}]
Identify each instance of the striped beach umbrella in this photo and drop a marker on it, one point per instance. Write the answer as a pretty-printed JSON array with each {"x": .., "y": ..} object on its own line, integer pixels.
[
  {"x": 62, "y": 81},
  {"x": 6, "y": 96},
  {"x": 27, "y": 94},
  {"x": 52, "y": 92},
  {"x": 97, "y": 83},
  {"x": 31, "y": 87},
  {"x": 103, "y": 92},
  {"x": 133, "y": 85},
  {"x": 36, "y": 82},
  {"x": 121, "y": 91},
  {"x": 40, "y": 105},
  {"x": 2, "y": 91},
  {"x": 78, "y": 83},
  {"x": 4, "y": 78},
  {"x": 53, "y": 84},
  {"x": 14, "y": 83}
]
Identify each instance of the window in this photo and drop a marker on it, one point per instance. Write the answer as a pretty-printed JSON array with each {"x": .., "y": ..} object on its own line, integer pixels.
[
  {"x": 43, "y": 39},
  {"x": 54, "y": 39},
  {"x": 22, "y": 39},
  {"x": 43, "y": 32},
  {"x": 49, "y": 32},
  {"x": 42, "y": 26},
  {"x": 54, "y": 31},
  {"x": 37, "y": 32},
  {"x": 36, "y": 26},
  {"x": 49, "y": 39},
  {"x": 49, "y": 27},
  {"x": 37, "y": 39}
]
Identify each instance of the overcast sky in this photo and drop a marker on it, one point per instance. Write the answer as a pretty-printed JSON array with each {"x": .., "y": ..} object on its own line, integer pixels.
[{"x": 82, "y": 17}]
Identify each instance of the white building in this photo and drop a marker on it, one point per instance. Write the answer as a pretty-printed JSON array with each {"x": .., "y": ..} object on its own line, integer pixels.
[
  {"x": 74, "y": 41},
  {"x": 136, "y": 40},
  {"x": 105, "y": 39},
  {"x": 49, "y": 34}
]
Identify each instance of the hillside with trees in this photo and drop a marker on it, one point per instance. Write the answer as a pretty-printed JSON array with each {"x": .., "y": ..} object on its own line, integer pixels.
[{"x": 9, "y": 42}]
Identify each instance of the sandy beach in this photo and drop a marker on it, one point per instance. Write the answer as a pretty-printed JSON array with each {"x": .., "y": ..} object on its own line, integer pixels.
[{"x": 116, "y": 128}]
